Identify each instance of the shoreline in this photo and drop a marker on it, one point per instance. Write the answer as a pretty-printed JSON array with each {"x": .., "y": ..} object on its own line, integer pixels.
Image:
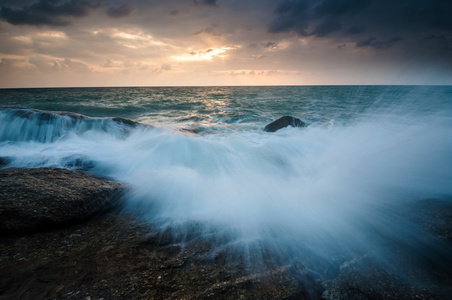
[{"x": 117, "y": 255}]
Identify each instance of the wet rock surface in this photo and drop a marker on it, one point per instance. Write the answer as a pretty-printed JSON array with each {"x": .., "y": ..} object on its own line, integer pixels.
[
  {"x": 284, "y": 122},
  {"x": 48, "y": 116},
  {"x": 121, "y": 256},
  {"x": 78, "y": 162},
  {"x": 35, "y": 199},
  {"x": 421, "y": 269},
  {"x": 118, "y": 257},
  {"x": 125, "y": 121},
  {"x": 4, "y": 161},
  {"x": 44, "y": 116}
]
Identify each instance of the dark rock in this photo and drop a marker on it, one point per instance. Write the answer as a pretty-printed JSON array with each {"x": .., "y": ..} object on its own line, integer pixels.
[
  {"x": 125, "y": 121},
  {"x": 120, "y": 257},
  {"x": 420, "y": 267},
  {"x": 78, "y": 162},
  {"x": 363, "y": 278},
  {"x": 284, "y": 122},
  {"x": 59, "y": 125},
  {"x": 35, "y": 199},
  {"x": 45, "y": 116},
  {"x": 190, "y": 131},
  {"x": 434, "y": 215},
  {"x": 50, "y": 115},
  {"x": 4, "y": 161}
]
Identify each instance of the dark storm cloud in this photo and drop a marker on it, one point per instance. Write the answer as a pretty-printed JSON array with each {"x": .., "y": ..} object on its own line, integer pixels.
[
  {"x": 47, "y": 12},
  {"x": 120, "y": 12},
  {"x": 25, "y": 17},
  {"x": 372, "y": 42},
  {"x": 355, "y": 30},
  {"x": 381, "y": 18},
  {"x": 291, "y": 16},
  {"x": 326, "y": 27}
]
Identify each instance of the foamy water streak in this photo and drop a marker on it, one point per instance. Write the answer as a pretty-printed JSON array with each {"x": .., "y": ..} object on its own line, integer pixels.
[{"x": 322, "y": 187}]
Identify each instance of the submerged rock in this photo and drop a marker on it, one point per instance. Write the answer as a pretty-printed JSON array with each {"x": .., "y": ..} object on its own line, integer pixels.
[
  {"x": 190, "y": 131},
  {"x": 284, "y": 122},
  {"x": 125, "y": 121},
  {"x": 35, "y": 199},
  {"x": 4, "y": 161},
  {"x": 23, "y": 124},
  {"x": 78, "y": 162},
  {"x": 45, "y": 116}
]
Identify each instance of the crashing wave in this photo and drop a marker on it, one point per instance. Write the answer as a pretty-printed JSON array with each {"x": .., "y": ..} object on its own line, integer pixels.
[{"x": 17, "y": 124}]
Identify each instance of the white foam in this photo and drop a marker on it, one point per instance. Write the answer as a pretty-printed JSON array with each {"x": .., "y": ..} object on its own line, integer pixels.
[{"x": 319, "y": 186}]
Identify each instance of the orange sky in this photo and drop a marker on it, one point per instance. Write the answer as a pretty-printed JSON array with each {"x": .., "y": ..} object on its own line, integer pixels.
[{"x": 48, "y": 43}]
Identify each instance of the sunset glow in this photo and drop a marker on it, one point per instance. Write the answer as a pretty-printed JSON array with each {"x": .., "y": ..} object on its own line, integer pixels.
[
  {"x": 200, "y": 55},
  {"x": 82, "y": 43}
]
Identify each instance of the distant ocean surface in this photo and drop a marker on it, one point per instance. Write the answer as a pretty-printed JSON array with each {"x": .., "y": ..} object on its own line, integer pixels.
[
  {"x": 228, "y": 110},
  {"x": 367, "y": 151}
]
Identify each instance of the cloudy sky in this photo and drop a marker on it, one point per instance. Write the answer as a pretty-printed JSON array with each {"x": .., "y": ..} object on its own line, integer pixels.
[{"x": 224, "y": 42}]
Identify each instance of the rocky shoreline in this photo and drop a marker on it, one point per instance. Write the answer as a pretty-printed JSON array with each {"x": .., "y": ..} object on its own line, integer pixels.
[
  {"x": 36, "y": 199},
  {"x": 88, "y": 249}
]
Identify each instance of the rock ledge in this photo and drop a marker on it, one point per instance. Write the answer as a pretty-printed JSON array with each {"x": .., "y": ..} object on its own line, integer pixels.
[{"x": 36, "y": 199}]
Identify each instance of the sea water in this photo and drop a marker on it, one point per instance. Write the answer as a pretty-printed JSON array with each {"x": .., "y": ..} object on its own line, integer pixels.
[{"x": 334, "y": 187}]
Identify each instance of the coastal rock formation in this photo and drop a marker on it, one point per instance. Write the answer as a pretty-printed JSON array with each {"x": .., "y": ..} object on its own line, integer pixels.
[
  {"x": 44, "y": 116},
  {"x": 121, "y": 256},
  {"x": 284, "y": 122},
  {"x": 21, "y": 124},
  {"x": 35, "y": 199},
  {"x": 78, "y": 163},
  {"x": 117, "y": 256},
  {"x": 125, "y": 121}
]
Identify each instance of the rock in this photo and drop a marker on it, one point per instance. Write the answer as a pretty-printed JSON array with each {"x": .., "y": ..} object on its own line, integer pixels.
[
  {"x": 36, "y": 199},
  {"x": 435, "y": 216},
  {"x": 45, "y": 116},
  {"x": 4, "y": 161},
  {"x": 118, "y": 256},
  {"x": 363, "y": 278},
  {"x": 190, "y": 131},
  {"x": 284, "y": 122},
  {"x": 420, "y": 268},
  {"x": 49, "y": 126},
  {"x": 78, "y": 162},
  {"x": 126, "y": 121}
]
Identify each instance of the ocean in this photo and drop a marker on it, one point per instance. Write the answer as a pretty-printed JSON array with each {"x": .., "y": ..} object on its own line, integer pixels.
[{"x": 202, "y": 157}]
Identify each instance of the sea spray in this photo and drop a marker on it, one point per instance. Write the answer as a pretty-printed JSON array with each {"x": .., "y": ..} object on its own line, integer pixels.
[{"x": 334, "y": 189}]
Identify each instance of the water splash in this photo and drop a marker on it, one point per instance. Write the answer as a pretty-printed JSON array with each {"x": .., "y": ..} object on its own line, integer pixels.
[{"x": 329, "y": 190}]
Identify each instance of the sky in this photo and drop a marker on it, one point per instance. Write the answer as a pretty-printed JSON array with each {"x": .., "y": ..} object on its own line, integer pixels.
[{"x": 77, "y": 43}]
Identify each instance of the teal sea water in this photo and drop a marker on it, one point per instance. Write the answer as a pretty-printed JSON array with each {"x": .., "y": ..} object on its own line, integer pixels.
[
  {"x": 229, "y": 109},
  {"x": 367, "y": 153}
]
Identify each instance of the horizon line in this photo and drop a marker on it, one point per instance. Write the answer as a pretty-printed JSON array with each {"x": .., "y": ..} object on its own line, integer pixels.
[{"x": 205, "y": 86}]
